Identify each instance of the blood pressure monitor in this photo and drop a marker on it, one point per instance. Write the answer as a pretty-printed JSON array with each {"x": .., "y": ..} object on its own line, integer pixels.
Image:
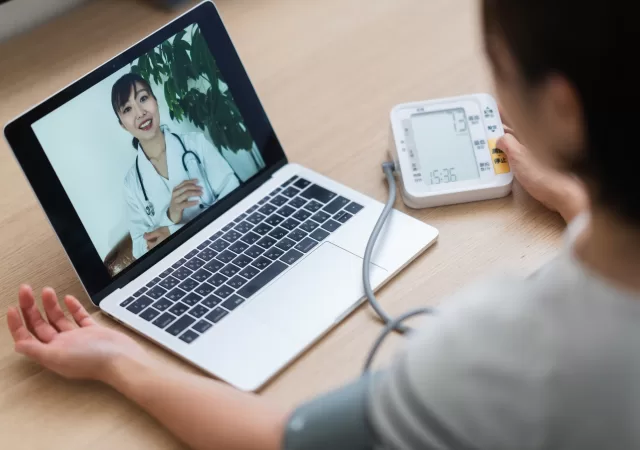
[{"x": 445, "y": 151}]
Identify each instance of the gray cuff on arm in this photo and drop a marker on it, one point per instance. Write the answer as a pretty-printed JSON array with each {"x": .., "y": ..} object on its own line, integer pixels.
[{"x": 338, "y": 420}]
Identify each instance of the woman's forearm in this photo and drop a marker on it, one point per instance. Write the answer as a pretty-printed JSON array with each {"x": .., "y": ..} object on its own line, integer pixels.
[{"x": 202, "y": 412}]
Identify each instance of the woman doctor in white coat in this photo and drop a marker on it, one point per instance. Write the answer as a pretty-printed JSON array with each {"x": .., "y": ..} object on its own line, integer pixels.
[{"x": 174, "y": 177}]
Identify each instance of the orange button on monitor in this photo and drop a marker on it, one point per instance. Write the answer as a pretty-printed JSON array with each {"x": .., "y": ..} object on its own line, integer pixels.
[{"x": 499, "y": 158}]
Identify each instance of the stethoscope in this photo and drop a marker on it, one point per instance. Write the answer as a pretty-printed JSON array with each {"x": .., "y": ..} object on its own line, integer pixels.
[{"x": 149, "y": 208}]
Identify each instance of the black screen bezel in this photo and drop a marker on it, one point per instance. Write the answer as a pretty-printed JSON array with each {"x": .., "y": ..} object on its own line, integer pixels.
[{"x": 52, "y": 196}]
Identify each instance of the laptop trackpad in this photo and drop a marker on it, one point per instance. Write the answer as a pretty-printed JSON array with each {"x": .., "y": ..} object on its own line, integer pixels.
[{"x": 307, "y": 300}]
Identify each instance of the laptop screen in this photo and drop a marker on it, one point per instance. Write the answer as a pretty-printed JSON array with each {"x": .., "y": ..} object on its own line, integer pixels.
[{"x": 149, "y": 148}]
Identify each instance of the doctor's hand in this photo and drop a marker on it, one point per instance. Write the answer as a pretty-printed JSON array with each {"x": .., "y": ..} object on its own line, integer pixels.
[
  {"x": 76, "y": 348},
  {"x": 156, "y": 236},
  {"x": 180, "y": 199}
]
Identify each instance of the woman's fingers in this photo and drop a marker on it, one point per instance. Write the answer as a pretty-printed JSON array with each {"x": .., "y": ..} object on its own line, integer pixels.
[
  {"x": 32, "y": 317},
  {"x": 18, "y": 330},
  {"x": 186, "y": 196},
  {"x": 79, "y": 314},
  {"x": 187, "y": 190},
  {"x": 54, "y": 313}
]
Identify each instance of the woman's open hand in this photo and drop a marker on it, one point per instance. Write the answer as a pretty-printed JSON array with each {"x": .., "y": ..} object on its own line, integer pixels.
[
  {"x": 180, "y": 199},
  {"x": 78, "y": 349}
]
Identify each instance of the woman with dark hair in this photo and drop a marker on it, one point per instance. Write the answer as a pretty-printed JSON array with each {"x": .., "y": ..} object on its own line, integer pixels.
[
  {"x": 547, "y": 362},
  {"x": 174, "y": 177}
]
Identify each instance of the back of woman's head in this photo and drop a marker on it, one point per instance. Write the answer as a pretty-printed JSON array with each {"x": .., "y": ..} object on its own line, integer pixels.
[{"x": 591, "y": 44}]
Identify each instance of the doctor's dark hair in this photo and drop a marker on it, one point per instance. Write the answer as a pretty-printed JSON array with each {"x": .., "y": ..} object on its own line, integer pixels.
[
  {"x": 591, "y": 44},
  {"x": 121, "y": 91}
]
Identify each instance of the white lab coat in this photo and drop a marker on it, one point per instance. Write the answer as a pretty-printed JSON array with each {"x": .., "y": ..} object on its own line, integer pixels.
[{"x": 221, "y": 178}]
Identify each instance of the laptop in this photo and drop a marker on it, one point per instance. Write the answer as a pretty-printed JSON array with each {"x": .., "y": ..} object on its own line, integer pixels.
[{"x": 171, "y": 194}]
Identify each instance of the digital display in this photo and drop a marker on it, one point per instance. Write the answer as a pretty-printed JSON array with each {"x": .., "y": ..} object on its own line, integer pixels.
[{"x": 444, "y": 146}]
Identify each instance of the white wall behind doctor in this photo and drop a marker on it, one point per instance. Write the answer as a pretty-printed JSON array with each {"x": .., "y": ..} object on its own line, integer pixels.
[{"x": 91, "y": 155}]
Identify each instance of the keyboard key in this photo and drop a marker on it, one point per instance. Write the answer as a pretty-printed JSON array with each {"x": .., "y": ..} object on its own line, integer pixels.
[
  {"x": 239, "y": 247},
  {"x": 180, "y": 325},
  {"x": 216, "y": 315},
  {"x": 162, "y": 304},
  {"x": 201, "y": 275},
  {"x": 213, "y": 266},
  {"x": 264, "y": 200},
  {"x": 204, "y": 289},
  {"x": 302, "y": 183},
  {"x": 153, "y": 282},
  {"x": 278, "y": 233},
  {"x": 242, "y": 261},
  {"x": 274, "y": 220},
  {"x": 301, "y": 215},
  {"x": 279, "y": 200},
  {"x": 336, "y": 205},
  {"x": 243, "y": 227},
  {"x": 250, "y": 238},
  {"x": 218, "y": 235},
  {"x": 140, "y": 304},
  {"x": 298, "y": 202},
  {"x": 274, "y": 253},
  {"x": 189, "y": 336},
  {"x": 342, "y": 217},
  {"x": 178, "y": 309},
  {"x": 233, "y": 302},
  {"x": 297, "y": 235},
  {"x": 149, "y": 314},
  {"x": 252, "y": 209},
  {"x": 266, "y": 242},
  {"x": 166, "y": 273},
  {"x": 256, "y": 218},
  {"x": 331, "y": 225},
  {"x": 164, "y": 319},
  {"x": 275, "y": 192},
  {"x": 290, "y": 180},
  {"x": 207, "y": 254},
  {"x": 127, "y": 302},
  {"x": 203, "y": 245},
  {"x": 202, "y": 326},
  {"x": 262, "y": 279},
  {"x": 249, "y": 272},
  {"x": 156, "y": 292},
  {"x": 321, "y": 217},
  {"x": 286, "y": 211},
  {"x": 255, "y": 251},
  {"x": 169, "y": 282},
  {"x": 309, "y": 226},
  {"x": 267, "y": 209},
  {"x": 191, "y": 299},
  {"x": 261, "y": 262},
  {"x": 240, "y": 218},
  {"x": 318, "y": 193},
  {"x": 191, "y": 254},
  {"x": 140, "y": 291},
  {"x": 285, "y": 244},
  {"x": 217, "y": 280},
  {"x": 237, "y": 282},
  {"x": 188, "y": 285},
  {"x": 319, "y": 234},
  {"x": 291, "y": 256},
  {"x": 263, "y": 228},
  {"x": 226, "y": 256},
  {"x": 313, "y": 206},
  {"x": 175, "y": 294},
  {"x": 306, "y": 245},
  {"x": 198, "y": 311},
  {"x": 224, "y": 291},
  {"x": 194, "y": 264},
  {"x": 232, "y": 236},
  {"x": 219, "y": 245},
  {"x": 179, "y": 263},
  {"x": 182, "y": 273},
  {"x": 229, "y": 270},
  {"x": 227, "y": 227},
  {"x": 290, "y": 224},
  {"x": 353, "y": 208},
  {"x": 211, "y": 301},
  {"x": 290, "y": 192}
]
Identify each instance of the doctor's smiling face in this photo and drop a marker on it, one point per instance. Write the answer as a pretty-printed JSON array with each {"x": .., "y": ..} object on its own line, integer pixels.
[{"x": 136, "y": 106}]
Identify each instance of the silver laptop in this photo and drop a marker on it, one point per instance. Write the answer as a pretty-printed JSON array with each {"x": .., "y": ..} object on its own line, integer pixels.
[{"x": 171, "y": 194}]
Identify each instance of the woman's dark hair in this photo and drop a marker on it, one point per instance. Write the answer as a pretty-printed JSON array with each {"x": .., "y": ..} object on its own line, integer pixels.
[
  {"x": 121, "y": 91},
  {"x": 593, "y": 44}
]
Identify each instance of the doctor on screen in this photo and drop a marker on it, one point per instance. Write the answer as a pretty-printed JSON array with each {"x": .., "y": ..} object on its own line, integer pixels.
[{"x": 174, "y": 177}]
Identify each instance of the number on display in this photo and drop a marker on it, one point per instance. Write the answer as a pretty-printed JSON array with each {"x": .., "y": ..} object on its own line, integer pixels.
[{"x": 443, "y": 176}]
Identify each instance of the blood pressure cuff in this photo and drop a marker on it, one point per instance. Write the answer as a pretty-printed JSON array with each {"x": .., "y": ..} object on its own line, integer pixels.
[{"x": 337, "y": 421}]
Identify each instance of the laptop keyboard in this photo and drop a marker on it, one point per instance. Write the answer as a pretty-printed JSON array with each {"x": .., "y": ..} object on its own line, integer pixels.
[{"x": 211, "y": 281}]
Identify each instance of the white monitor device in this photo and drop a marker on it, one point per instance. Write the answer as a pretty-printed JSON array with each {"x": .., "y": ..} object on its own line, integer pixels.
[{"x": 445, "y": 151}]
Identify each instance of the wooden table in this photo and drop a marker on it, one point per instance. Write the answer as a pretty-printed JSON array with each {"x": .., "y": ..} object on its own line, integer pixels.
[{"x": 347, "y": 62}]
